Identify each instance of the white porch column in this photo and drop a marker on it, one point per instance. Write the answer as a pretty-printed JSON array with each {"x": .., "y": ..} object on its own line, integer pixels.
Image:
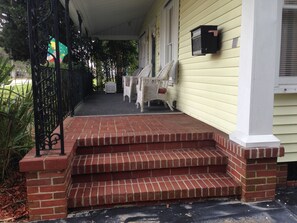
[{"x": 258, "y": 67}]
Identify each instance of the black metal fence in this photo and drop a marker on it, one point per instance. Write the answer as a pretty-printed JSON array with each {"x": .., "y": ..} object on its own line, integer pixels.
[
  {"x": 76, "y": 85},
  {"x": 56, "y": 92}
]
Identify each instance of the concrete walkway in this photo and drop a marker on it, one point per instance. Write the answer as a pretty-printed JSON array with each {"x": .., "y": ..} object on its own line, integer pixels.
[
  {"x": 282, "y": 210},
  {"x": 20, "y": 81}
]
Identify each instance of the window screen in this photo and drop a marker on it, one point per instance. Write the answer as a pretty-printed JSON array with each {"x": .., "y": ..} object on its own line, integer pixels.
[{"x": 288, "y": 63}]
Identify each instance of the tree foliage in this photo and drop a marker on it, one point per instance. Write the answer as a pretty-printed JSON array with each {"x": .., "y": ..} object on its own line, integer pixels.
[
  {"x": 14, "y": 36},
  {"x": 120, "y": 56}
]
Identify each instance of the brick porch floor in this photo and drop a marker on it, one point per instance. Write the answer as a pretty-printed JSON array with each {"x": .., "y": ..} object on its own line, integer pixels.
[
  {"x": 132, "y": 159},
  {"x": 140, "y": 127}
]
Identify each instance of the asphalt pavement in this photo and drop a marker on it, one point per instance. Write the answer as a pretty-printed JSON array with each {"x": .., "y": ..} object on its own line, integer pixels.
[{"x": 282, "y": 210}]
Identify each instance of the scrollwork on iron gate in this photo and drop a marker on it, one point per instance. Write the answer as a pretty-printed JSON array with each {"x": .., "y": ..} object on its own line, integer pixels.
[{"x": 46, "y": 80}]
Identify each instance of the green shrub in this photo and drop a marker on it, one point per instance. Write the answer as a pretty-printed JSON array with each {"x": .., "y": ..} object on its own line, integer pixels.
[{"x": 16, "y": 120}]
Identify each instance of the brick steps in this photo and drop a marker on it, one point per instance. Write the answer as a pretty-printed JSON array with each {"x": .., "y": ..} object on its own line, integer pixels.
[
  {"x": 153, "y": 169},
  {"x": 51, "y": 187},
  {"x": 152, "y": 189},
  {"x": 147, "y": 160}
]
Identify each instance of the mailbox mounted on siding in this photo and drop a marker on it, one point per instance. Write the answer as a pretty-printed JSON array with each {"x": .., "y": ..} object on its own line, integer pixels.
[{"x": 204, "y": 40}]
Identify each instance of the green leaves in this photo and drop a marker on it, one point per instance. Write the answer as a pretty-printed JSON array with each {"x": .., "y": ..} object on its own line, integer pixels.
[
  {"x": 119, "y": 55},
  {"x": 4, "y": 72},
  {"x": 16, "y": 120}
]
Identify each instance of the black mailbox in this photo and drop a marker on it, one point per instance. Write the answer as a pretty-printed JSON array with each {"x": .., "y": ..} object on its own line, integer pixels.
[{"x": 204, "y": 40}]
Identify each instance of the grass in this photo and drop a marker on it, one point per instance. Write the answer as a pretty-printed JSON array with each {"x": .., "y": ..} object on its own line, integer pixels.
[{"x": 14, "y": 90}]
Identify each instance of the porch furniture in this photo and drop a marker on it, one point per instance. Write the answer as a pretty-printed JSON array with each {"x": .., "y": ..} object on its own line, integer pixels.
[
  {"x": 173, "y": 74},
  {"x": 110, "y": 87},
  {"x": 129, "y": 82},
  {"x": 154, "y": 88},
  {"x": 128, "y": 88}
]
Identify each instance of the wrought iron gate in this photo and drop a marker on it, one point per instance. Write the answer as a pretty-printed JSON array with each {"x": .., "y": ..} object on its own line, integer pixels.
[
  {"x": 56, "y": 91},
  {"x": 46, "y": 80}
]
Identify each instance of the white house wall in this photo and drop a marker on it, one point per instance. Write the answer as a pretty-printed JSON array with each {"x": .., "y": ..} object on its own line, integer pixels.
[{"x": 208, "y": 85}]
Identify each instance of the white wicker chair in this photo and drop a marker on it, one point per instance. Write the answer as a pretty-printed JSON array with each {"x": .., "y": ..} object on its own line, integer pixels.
[
  {"x": 129, "y": 82},
  {"x": 154, "y": 88}
]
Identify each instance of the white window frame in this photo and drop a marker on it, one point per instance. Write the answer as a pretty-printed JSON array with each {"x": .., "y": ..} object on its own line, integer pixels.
[
  {"x": 283, "y": 84},
  {"x": 164, "y": 44}
]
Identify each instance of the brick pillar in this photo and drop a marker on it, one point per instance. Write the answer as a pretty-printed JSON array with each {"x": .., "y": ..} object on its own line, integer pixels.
[
  {"x": 254, "y": 168},
  {"x": 259, "y": 184},
  {"x": 48, "y": 179}
]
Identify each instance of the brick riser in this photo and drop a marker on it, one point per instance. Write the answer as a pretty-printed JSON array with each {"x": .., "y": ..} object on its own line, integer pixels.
[
  {"x": 81, "y": 150},
  {"x": 152, "y": 189},
  {"x": 145, "y": 160},
  {"x": 97, "y": 177}
]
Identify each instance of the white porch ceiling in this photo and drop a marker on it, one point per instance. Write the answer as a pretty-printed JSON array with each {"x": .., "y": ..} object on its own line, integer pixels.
[{"x": 111, "y": 19}]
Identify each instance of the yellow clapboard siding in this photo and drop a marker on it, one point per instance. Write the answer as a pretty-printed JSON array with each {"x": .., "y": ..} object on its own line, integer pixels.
[
  {"x": 285, "y": 110},
  {"x": 210, "y": 64},
  {"x": 228, "y": 91},
  {"x": 290, "y": 157},
  {"x": 220, "y": 98},
  {"x": 290, "y": 148},
  {"x": 208, "y": 85},
  {"x": 226, "y": 54},
  {"x": 219, "y": 72},
  {"x": 232, "y": 81},
  {"x": 228, "y": 44},
  {"x": 186, "y": 9},
  {"x": 207, "y": 16},
  {"x": 285, "y": 100},
  {"x": 285, "y": 124},
  {"x": 193, "y": 3},
  {"x": 287, "y": 138},
  {"x": 229, "y": 20},
  {"x": 285, "y": 120},
  {"x": 205, "y": 113},
  {"x": 285, "y": 129},
  {"x": 208, "y": 105},
  {"x": 225, "y": 22}
]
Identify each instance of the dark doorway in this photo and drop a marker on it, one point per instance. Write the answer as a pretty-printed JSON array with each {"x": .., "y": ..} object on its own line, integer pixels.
[
  {"x": 153, "y": 55},
  {"x": 292, "y": 171}
]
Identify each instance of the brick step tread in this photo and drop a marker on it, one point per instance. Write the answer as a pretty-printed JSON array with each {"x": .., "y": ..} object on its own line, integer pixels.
[
  {"x": 143, "y": 160},
  {"x": 152, "y": 189},
  {"x": 122, "y": 138},
  {"x": 84, "y": 150}
]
